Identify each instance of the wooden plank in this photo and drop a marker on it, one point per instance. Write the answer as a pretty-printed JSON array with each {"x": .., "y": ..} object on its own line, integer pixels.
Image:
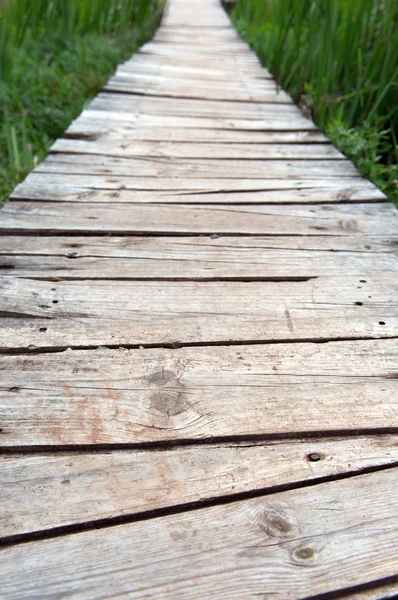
[
  {"x": 120, "y": 121},
  {"x": 119, "y": 147},
  {"x": 189, "y": 107},
  {"x": 241, "y": 58},
  {"x": 125, "y": 85},
  {"x": 102, "y": 188},
  {"x": 195, "y": 257},
  {"x": 209, "y": 136},
  {"x": 208, "y": 72},
  {"x": 201, "y": 62},
  {"x": 48, "y": 490},
  {"x": 156, "y": 81},
  {"x": 299, "y": 220},
  {"x": 46, "y": 314},
  {"x": 197, "y": 168},
  {"x": 200, "y": 393},
  {"x": 290, "y": 545}
]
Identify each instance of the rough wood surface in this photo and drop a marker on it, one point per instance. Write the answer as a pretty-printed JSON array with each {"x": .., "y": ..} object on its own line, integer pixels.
[
  {"x": 120, "y": 120},
  {"x": 131, "y": 481},
  {"x": 261, "y": 152},
  {"x": 299, "y": 220},
  {"x": 193, "y": 207},
  {"x": 107, "y": 101},
  {"x": 254, "y": 257},
  {"x": 102, "y": 188},
  {"x": 157, "y": 395},
  {"x": 291, "y": 545},
  {"x": 208, "y": 168},
  {"x": 109, "y": 312}
]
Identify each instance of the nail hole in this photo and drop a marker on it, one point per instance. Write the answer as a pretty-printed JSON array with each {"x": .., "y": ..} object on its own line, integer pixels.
[
  {"x": 55, "y": 301},
  {"x": 314, "y": 457},
  {"x": 43, "y": 329},
  {"x": 381, "y": 322},
  {"x": 359, "y": 303},
  {"x": 362, "y": 281}
]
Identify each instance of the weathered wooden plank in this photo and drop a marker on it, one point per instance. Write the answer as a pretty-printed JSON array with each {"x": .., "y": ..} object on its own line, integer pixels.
[
  {"x": 197, "y": 168},
  {"x": 158, "y": 81},
  {"x": 322, "y": 219},
  {"x": 119, "y": 147},
  {"x": 125, "y": 85},
  {"x": 207, "y": 72},
  {"x": 119, "y": 121},
  {"x": 290, "y": 545},
  {"x": 240, "y": 56},
  {"x": 195, "y": 257},
  {"x": 44, "y": 491},
  {"x": 201, "y": 136},
  {"x": 202, "y": 62},
  {"x": 188, "y": 107},
  {"x": 46, "y": 314},
  {"x": 102, "y": 188},
  {"x": 200, "y": 393}
]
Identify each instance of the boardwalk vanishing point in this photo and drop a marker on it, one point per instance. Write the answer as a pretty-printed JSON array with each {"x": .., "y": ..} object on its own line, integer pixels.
[{"x": 199, "y": 344}]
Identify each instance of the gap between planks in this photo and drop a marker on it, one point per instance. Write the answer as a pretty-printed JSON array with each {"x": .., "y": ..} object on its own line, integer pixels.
[
  {"x": 136, "y": 484},
  {"x": 337, "y": 534}
]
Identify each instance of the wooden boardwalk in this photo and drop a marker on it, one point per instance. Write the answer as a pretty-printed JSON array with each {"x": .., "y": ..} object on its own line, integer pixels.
[{"x": 199, "y": 345}]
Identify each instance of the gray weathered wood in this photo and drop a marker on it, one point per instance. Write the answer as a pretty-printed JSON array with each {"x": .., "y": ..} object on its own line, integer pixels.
[
  {"x": 119, "y": 147},
  {"x": 120, "y": 120},
  {"x": 109, "y": 312},
  {"x": 323, "y": 219},
  {"x": 102, "y": 188},
  {"x": 86, "y": 164},
  {"x": 290, "y": 545},
  {"x": 77, "y": 487},
  {"x": 193, "y": 137},
  {"x": 202, "y": 257},
  {"x": 199, "y": 393}
]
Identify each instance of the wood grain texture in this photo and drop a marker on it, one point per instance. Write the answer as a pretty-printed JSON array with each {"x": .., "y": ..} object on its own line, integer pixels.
[
  {"x": 109, "y": 312},
  {"x": 150, "y": 105},
  {"x": 192, "y": 205},
  {"x": 289, "y": 545},
  {"x": 209, "y": 168},
  {"x": 101, "y": 188},
  {"x": 299, "y": 220},
  {"x": 260, "y": 152},
  {"x": 119, "y": 120},
  {"x": 254, "y": 257},
  {"x": 43, "y": 491},
  {"x": 200, "y": 393},
  {"x": 208, "y": 71}
]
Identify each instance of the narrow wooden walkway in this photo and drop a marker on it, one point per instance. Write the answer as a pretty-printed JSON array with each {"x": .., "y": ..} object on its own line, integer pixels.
[{"x": 199, "y": 345}]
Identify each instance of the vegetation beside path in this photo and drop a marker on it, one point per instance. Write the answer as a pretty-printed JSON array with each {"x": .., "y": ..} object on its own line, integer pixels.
[
  {"x": 339, "y": 61},
  {"x": 54, "y": 56}
]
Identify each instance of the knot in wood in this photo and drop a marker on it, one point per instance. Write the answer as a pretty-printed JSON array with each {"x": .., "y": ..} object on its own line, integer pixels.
[
  {"x": 305, "y": 554},
  {"x": 169, "y": 403},
  {"x": 276, "y": 521}
]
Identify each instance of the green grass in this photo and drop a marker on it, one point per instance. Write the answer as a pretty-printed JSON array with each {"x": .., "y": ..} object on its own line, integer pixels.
[
  {"x": 339, "y": 61},
  {"x": 54, "y": 56}
]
